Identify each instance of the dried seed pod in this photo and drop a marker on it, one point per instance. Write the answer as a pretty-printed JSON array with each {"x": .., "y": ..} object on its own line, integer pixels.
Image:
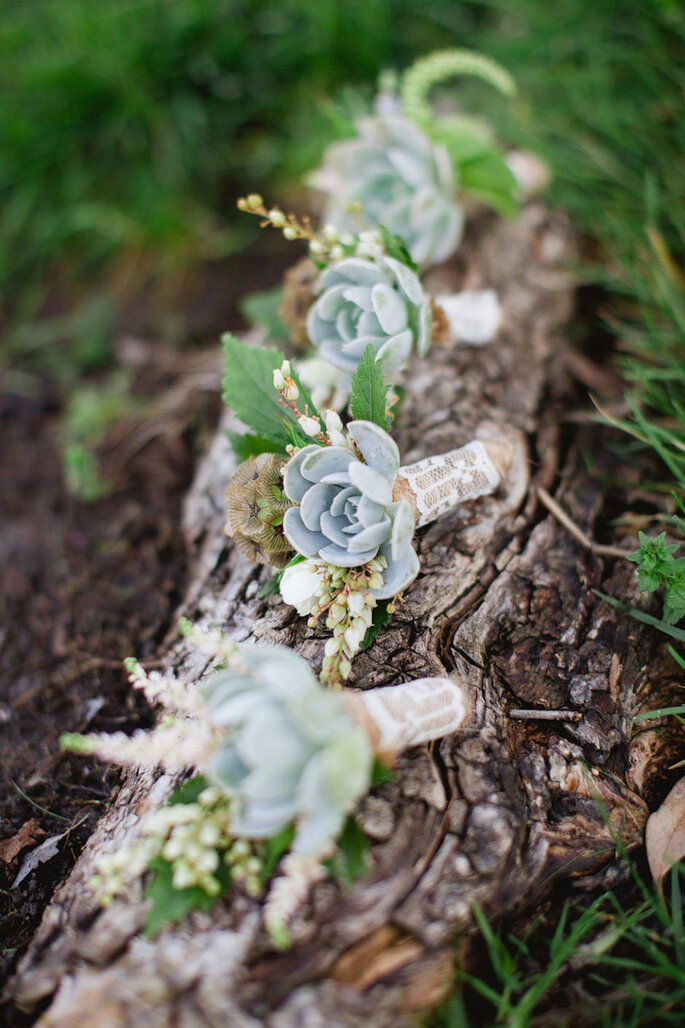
[
  {"x": 437, "y": 484},
  {"x": 255, "y": 506}
]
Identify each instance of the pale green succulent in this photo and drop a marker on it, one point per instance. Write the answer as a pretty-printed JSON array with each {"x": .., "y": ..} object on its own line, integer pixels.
[
  {"x": 378, "y": 302},
  {"x": 292, "y": 752},
  {"x": 344, "y": 510},
  {"x": 396, "y": 177}
]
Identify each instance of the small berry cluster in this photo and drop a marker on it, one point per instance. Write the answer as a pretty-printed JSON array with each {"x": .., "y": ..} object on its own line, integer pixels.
[
  {"x": 325, "y": 247},
  {"x": 195, "y": 840},
  {"x": 347, "y": 603}
]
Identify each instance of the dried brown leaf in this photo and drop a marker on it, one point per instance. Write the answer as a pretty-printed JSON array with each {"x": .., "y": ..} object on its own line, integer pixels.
[
  {"x": 28, "y": 833},
  {"x": 665, "y": 833}
]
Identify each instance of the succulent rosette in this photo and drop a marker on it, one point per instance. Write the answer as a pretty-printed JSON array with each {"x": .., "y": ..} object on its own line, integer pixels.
[
  {"x": 379, "y": 302},
  {"x": 396, "y": 177},
  {"x": 344, "y": 512},
  {"x": 292, "y": 751}
]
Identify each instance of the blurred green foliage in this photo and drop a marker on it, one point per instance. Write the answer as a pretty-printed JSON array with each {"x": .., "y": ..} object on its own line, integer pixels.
[
  {"x": 127, "y": 129},
  {"x": 122, "y": 125}
]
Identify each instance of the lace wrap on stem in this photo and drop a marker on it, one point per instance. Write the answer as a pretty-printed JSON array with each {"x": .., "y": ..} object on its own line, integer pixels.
[{"x": 437, "y": 484}]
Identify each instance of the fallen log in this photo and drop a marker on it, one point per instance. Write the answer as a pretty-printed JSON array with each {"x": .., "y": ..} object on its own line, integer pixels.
[{"x": 494, "y": 814}]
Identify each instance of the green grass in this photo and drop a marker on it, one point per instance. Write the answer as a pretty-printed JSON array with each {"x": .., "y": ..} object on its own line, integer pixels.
[
  {"x": 607, "y": 966},
  {"x": 127, "y": 128}
]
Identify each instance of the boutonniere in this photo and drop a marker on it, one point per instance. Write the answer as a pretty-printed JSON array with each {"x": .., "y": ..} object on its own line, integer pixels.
[
  {"x": 410, "y": 168},
  {"x": 365, "y": 292},
  {"x": 280, "y": 764},
  {"x": 331, "y": 507}
]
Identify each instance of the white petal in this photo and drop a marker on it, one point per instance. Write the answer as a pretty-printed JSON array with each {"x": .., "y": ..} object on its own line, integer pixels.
[
  {"x": 299, "y": 586},
  {"x": 474, "y": 316}
]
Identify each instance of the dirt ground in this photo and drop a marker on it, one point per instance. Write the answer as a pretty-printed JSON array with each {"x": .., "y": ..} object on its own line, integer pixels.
[{"x": 81, "y": 587}]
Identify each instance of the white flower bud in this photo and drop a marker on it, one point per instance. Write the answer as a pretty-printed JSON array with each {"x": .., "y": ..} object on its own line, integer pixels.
[
  {"x": 209, "y": 796},
  {"x": 279, "y": 380},
  {"x": 331, "y": 648},
  {"x": 316, "y": 248},
  {"x": 330, "y": 233},
  {"x": 182, "y": 877},
  {"x": 355, "y": 603},
  {"x": 310, "y": 426},
  {"x": 277, "y": 218},
  {"x": 240, "y": 849},
  {"x": 354, "y": 636},
  {"x": 289, "y": 232},
  {"x": 208, "y": 862},
  {"x": 332, "y": 420},
  {"x": 209, "y": 835},
  {"x": 301, "y": 586}
]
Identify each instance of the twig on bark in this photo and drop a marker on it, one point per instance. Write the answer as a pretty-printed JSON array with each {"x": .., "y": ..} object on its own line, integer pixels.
[
  {"x": 546, "y": 715},
  {"x": 600, "y": 549}
]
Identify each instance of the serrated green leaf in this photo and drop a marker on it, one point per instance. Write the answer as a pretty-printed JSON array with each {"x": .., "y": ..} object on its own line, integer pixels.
[
  {"x": 250, "y": 393},
  {"x": 171, "y": 905},
  {"x": 369, "y": 391},
  {"x": 262, "y": 308},
  {"x": 351, "y": 858},
  {"x": 246, "y": 445}
]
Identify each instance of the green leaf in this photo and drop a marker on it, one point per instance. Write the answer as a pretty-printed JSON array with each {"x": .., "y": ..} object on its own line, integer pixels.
[
  {"x": 351, "y": 858},
  {"x": 466, "y": 144},
  {"x": 263, "y": 308},
  {"x": 381, "y": 774},
  {"x": 250, "y": 392},
  {"x": 368, "y": 399},
  {"x": 395, "y": 247},
  {"x": 171, "y": 905},
  {"x": 270, "y": 587},
  {"x": 489, "y": 178},
  {"x": 379, "y": 620},
  {"x": 646, "y": 619},
  {"x": 189, "y": 791},
  {"x": 246, "y": 445},
  {"x": 276, "y": 846}
]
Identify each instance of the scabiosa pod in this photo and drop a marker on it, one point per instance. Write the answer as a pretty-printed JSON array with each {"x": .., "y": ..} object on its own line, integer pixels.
[{"x": 255, "y": 506}]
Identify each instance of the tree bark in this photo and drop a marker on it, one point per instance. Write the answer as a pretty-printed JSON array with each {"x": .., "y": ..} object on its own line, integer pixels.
[{"x": 494, "y": 814}]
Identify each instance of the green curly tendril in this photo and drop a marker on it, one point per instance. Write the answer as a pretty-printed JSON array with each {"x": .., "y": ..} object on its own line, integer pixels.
[{"x": 417, "y": 82}]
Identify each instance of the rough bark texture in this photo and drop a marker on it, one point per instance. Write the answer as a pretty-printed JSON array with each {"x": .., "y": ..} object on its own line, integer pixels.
[{"x": 496, "y": 812}]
